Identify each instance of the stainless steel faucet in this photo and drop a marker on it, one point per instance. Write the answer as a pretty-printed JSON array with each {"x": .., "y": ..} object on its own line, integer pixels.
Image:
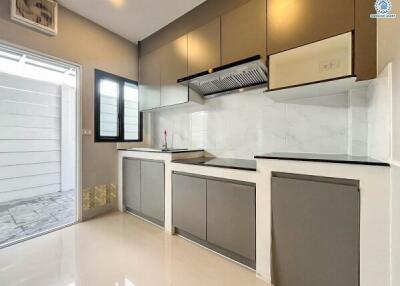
[{"x": 165, "y": 145}]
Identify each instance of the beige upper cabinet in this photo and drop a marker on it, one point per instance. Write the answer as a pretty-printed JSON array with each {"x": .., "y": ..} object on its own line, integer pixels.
[
  {"x": 243, "y": 32},
  {"x": 294, "y": 23},
  {"x": 150, "y": 81},
  {"x": 204, "y": 47},
  {"x": 174, "y": 66}
]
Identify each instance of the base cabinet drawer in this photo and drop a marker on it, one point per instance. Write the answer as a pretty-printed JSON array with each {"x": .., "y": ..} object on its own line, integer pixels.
[
  {"x": 189, "y": 204},
  {"x": 216, "y": 213}
]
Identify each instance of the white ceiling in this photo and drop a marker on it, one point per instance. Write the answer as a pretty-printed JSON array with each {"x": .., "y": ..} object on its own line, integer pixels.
[{"x": 131, "y": 19}]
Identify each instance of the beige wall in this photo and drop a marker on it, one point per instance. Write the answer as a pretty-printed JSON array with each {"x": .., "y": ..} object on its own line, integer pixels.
[
  {"x": 389, "y": 51},
  {"x": 83, "y": 42}
]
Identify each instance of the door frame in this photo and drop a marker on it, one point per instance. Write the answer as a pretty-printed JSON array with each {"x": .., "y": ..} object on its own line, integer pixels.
[{"x": 78, "y": 110}]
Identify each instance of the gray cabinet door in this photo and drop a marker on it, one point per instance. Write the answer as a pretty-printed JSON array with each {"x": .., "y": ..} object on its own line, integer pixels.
[
  {"x": 315, "y": 230},
  {"x": 149, "y": 81},
  {"x": 204, "y": 47},
  {"x": 152, "y": 189},
  {"x": 174, "y": 65},
  {"x": 231, "y": 217},
  {"x": 131, "y": 184},
  {"x": 243, "y": 32},
  {"x": 189, "y": 204}
]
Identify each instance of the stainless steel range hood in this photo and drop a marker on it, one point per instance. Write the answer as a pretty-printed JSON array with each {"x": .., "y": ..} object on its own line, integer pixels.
[{"x": 241, "y": 75}]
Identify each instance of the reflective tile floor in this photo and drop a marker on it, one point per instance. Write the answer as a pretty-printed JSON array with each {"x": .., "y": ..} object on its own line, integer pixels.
[
  {"x": 117, "y": 250},
  {"x": 25, "y": 217}
]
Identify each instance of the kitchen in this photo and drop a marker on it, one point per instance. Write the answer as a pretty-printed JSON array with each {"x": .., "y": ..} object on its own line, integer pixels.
[{"x": 257, "y": 135}]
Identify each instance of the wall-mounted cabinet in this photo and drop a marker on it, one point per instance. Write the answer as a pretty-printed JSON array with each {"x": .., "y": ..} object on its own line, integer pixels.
[
  {"x": 159, "y": 72},
  {"x": 296, "y": 28},
  {"x": 304, "y": 41},
  {"x": 174, "y": 65},
  {"x": 323, "y": 60},
  {"x": 243, "y": 32},
  {"x": 150, "y": 81},
  {"x": 291, "y": 24},
  {"x": 204, "y": 47}
]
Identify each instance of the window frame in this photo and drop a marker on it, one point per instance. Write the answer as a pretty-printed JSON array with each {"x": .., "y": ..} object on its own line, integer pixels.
[{"x": 102, "y": 75}]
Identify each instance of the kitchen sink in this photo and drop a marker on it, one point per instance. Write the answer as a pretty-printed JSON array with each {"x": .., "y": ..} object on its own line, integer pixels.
[{"x": 158, "y": 150}]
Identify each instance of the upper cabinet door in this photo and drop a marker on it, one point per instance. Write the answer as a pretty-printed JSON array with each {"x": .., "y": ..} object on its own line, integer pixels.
[
  {"x": 243, "y": 32},
  {"x": 204, "y": 47},
  {"x": 174, "y": 66},
  {"x": 150, "y": 81},
  {"x": 293, "y": 23}
]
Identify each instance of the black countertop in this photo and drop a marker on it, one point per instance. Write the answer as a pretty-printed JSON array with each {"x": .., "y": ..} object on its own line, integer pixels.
[
  {"x": 329, "y": 158},
  {"x": 174, "y": 151},
  {"x": 239, "y": 164}
]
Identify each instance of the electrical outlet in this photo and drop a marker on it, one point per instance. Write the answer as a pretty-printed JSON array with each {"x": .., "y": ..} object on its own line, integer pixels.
[
  {"x": 86, "y": 132},
  {"x": 328, "y": 65}
]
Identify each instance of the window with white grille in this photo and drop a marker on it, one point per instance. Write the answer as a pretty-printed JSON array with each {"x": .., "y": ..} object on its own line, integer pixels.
[{"x": 117, "y": 116}]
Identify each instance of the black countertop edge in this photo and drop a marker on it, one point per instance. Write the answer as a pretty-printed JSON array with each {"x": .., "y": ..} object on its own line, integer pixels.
[
  {"x": 167, "y": 152},
  {"x": 327, "y": 158},
  {"x": 226, "y": 163}
]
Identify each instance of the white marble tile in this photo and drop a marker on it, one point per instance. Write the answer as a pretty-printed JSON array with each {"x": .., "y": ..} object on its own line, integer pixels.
[
  {"x": 380, "y": 115},
  {"x": 244, "y": 124},
  {"x": 358, "y": 122}
]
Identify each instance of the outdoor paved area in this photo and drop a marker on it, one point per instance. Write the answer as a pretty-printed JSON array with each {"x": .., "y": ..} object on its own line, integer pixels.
[{"x": 26, "y": 217}]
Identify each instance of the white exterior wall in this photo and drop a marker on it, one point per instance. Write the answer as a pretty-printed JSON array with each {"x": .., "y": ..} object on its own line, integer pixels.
[{"x": 31, "y": 115}]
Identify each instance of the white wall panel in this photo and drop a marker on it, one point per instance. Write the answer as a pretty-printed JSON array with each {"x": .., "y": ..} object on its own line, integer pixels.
[
  {"x": 26, "y": 193},
  {"x": 10, "y": 120},
  {"x": 29, "y": 97},
  {"x": 24, "y": 133},
  {"x": 18, "y": 171},
  {"x": 12, "y": 81},
  {"x": 13, "y": 184},
  {"x": 12, "y": 107},
  {"x": 30, "y": 137},
  {"x": 29, "y": 145},
  {"x": 68, "y": 138},
  {"x": 10, "y": 159}
]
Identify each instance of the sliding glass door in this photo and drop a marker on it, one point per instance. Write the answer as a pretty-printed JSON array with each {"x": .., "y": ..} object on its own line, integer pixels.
[{"x": 38, "y": 145}]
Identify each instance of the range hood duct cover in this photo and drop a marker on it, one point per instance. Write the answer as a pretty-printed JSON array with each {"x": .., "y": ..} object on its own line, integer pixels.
[{"x": 240, "y": 75}]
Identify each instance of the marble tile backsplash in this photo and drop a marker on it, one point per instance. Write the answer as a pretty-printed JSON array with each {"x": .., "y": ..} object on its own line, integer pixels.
[
  {"x": 244, "y": 124},
  {"x": 380, "y": 116}
]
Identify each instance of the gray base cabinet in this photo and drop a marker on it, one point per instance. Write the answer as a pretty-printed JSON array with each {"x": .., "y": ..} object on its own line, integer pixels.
[
  {"x": 189, "y": 204},
  {"x": 143, "y": 188},
  {"x": 231, "y": 217},
  {"x": 131, "y": 183},
  {"x": 217, "y": 213},
  {"x": 315, "y": 231},
  {"x": 152, "y": 189}
]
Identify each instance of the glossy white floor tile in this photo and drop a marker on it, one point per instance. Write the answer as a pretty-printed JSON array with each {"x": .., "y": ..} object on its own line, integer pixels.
[{"x": 117, "y": 250}]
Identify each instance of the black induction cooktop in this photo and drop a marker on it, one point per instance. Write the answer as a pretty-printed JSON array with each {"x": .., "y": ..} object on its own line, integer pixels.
[{"x": 239, "y": 164}]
